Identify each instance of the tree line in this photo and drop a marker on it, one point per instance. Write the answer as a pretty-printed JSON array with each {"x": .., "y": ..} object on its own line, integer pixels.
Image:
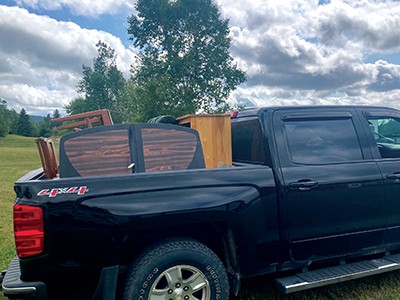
[
  {"x": 21, "y": 123},
  {"x": 183, "y": 65}
]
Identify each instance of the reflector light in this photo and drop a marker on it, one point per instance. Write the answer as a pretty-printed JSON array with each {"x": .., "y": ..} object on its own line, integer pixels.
[
  {"x": 28, "y": 230},
  {"x": 234, "y": 114}
]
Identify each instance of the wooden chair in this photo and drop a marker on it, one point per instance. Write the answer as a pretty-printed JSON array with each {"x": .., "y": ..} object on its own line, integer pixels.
[
  {"x": 48, "y": 157},
  {"x": 87, "y": 119}
]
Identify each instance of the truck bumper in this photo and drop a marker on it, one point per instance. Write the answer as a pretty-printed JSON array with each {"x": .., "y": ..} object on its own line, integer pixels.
[{"x": 14, "y": 287}]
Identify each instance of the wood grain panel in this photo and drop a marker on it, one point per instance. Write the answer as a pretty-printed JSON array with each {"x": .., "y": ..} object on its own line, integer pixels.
[
  {"x": 100, "y": 153},
  {"x": 167, "y": 149},
  {"x": 215, "y": 135}
]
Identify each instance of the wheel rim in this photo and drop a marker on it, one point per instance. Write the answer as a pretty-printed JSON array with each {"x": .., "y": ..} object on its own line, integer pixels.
[{"x": 180, "y": 282}]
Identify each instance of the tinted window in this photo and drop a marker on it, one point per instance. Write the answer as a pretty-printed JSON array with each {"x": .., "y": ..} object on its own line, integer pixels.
[
  {"x": 247, "y": 143},
  {"x": 386, "y": 133},
  {"x": 322, "y": 141}
]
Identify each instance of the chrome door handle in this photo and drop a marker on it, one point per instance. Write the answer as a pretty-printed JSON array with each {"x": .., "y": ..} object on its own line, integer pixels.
[
  {"x": 303, "y": 184},
  {"x": 393, "y": 176}
]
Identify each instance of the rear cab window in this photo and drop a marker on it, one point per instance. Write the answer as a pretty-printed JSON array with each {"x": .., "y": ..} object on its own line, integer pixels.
[{"x": 248, "y": 143}]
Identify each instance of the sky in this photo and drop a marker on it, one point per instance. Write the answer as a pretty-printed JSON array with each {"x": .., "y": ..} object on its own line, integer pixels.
[{"x": 294, "y": 52}]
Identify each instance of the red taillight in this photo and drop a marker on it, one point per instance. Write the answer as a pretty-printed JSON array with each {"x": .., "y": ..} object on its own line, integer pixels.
[
  {"x": 28, "y": 230},
  {"x": 234, "y": 114}
]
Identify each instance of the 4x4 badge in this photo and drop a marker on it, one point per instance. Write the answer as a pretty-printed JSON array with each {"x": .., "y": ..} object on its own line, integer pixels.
[{"x": 67, "y": 190}]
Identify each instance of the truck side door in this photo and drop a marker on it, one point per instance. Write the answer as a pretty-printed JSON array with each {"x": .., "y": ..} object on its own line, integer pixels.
[
  {"x": 332, "y": 190},
  {"x": 383, "y": 130}
]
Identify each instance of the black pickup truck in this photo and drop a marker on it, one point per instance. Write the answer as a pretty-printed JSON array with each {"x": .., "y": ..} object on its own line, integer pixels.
[{"x": 313, "y": 196}]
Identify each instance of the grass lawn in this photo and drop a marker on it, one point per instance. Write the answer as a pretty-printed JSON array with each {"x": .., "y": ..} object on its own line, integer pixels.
[{"x": 18, "y": 156}]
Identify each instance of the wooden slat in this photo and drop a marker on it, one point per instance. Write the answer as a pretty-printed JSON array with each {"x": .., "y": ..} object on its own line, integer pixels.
[
  {"x": 100, "y": 153},
  {"x": 167, "y": 149},
  {"x": 101, "y": 116},
  {"x": 80, "y": 123},
  {"x": 48, "y": 157}
]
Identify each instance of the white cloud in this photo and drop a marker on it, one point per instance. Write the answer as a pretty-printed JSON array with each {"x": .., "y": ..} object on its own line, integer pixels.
[
  {"x": 371, "y": 24},
  {"x": 90, "y": 8},
  {"x": 41, "y": 59},
  {"x": 299, "y": 52},
  {"x": 294, "y": 51}
]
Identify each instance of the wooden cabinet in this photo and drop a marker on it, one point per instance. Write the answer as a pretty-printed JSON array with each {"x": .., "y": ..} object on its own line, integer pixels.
[{"x": 215, "y": 137}]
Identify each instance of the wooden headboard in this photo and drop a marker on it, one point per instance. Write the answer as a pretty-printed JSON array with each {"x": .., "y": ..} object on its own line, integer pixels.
[{"x": 124, "y": 149}]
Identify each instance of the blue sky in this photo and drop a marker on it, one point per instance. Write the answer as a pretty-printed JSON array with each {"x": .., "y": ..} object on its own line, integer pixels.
[
  {"x": 294, "y": 52},
  {"x": 115, "y": 24},
  {"x": 391, "y": 57}
]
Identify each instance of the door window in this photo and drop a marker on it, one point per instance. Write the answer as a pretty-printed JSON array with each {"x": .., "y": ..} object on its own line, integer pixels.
[
  {"x": 322, "y": 141},
  {"x": 386, "y": 133}
]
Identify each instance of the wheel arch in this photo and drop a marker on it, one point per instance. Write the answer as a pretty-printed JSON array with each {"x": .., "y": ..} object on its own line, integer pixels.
[{"x": 217, "y": 236}]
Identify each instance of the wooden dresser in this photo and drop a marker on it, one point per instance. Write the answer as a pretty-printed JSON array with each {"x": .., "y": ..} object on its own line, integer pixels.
[{"x": 215, "y": 137}]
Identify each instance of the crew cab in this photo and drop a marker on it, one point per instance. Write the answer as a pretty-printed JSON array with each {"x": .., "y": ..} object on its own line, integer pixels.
[{"x": 312, "y": 196}]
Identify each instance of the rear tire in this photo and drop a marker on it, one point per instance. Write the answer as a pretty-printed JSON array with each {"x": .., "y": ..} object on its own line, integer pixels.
[{"x": 177, "y": 269}]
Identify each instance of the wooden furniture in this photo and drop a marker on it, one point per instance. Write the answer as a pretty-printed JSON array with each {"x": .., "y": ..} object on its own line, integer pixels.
[
  {"x": 215, "y": 137},
  {"x": 87, "y": 119},
  {"x": 126, "y": 149},
  {"x": 48, "y": 157}
]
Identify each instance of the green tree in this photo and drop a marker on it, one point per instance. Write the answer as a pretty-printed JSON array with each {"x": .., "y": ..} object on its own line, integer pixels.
[
  {"x": 184, "y": 64},
  {"x": 5, "y": 122},
  {"x": 35, "y": 127},
  {"x": 53, "y": 126},
  {"x": 14, "y": 116},
  {"x": 78, "y": 105},
  {"x": 4, "y": 127},
  {"x": 101, "y": 85},
  {"x": 24, "y": 126},
  {"x": 8, "y": 119},
  {"x": 128, "y": 106},
  {"x": 44, "y": 127},
  {"x": 56, "y": 114}
]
